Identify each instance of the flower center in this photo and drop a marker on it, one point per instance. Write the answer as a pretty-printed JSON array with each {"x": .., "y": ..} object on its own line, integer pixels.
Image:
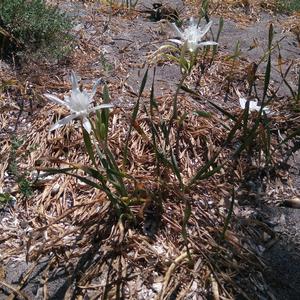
[{"x": 79, "y": 101}]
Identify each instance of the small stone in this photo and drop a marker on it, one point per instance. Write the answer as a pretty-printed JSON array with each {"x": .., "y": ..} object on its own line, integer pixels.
[{"x": 55, "y": 188}]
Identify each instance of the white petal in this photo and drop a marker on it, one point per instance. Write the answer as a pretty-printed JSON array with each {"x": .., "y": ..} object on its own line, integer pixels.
[
  {"x": 87, "y": 125},
  {"x": 193, "y": 47},
  {"x": 243, "y": 102},
  {"x": 92, "y": 94},
  {"x": 87, "y": 96},
  {"x": 176, "y": 41},
  {"x": 206, "y": 28},
  {"x": 208, "y": 43},
  {"x": 74, "y": 81},
  {"x": 253, "y": 106},
  {"x": 192, "y": 21},
  {"x": 177, "y": 30},
  {"x": 63, "y": 122},
  {"x": 107, "y": 105},
  {"x": 56, "y": 100},
  {"x": 67, "y": 99}
]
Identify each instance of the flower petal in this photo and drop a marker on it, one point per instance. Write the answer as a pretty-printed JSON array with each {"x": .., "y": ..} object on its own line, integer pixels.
[
  {"x": 253, "y": 106},
  {"x": 192, "y": 22},
  {"x": 56, "y": 100},
  {"x": 176, "y": 41},
  {"x": 107, "y": 105},
  {"x": 63, "y": 121},
  {"x": 177, "y": 30},
  {"x": 74, "y": 81},
  {"x": 67, "y": 99},
  {"x": 208, "y": 43},
  {"x": 86, "y": 96},
  {"x": 192, "y": 47},
  {"x": 87, "y": 125},
  {"x": 93, "y": 92},
  {"x": 243, "y": 102},
  {"x": 205, "y": 29}
]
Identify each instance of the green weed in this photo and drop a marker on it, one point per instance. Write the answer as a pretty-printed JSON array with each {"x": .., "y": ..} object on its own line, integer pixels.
[
  {"x": 288, "y": 5},
  {"x": 34, "y": 28},
  {"x": 5, "y": 199},
  {"x": 131, "y": 4},
  {"x": 106, "y": 66},
  {"x": 20, "y": 177}
]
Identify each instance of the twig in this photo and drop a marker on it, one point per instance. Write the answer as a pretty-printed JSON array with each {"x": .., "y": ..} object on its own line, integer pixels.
[
  {"x": 169, "y": 273},
  {"x": 15, "y": 290}
]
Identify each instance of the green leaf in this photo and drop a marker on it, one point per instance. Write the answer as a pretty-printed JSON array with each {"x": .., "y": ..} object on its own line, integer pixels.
[
  {"x": 246, "y": 117},
  {"x": 94, "y": 173},
  {"x": 153, "y": 103},
  {"x": 221, "y": 24},
  {"x": 88, "y": 145},
  {"x": 292, "y": 135},
  {"x": 103, "y": 117},
  {"x": 204, "y": 172},
  {"x": 268, "y": 68},
  {"x": 105, "y": 95},
  {"x": 103, "y": 131},
  {"x": 172, "y": 58},
  {"x": 247, "y": 140},
  {"x": 188, "y": 90},
  {"x": 210, "y": 173},
  {"x": 228, "y": 218},
  {"x": 236, "y": 54},
  {"x": 271, "y": 35},
  {"x": 81, "y": 178},
  {"x": 215, "y": 47},
  {"x": 176, "y": 169},
  {"x": 298, "y": 93},
  {"x": 204, "y": 114},
  {"x": 143, "y": 84},
  {"x": 233, "y": 131},
  {"x": 134, "y": 116},
  {"x": 223, "y": 111},
  {"x": 186, "y": 217}
]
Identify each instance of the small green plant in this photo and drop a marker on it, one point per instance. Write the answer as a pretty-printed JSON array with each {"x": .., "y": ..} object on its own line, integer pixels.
[
  {"x": 33, "y": 27},
  {"x": 103, "y": 172},
  {"x": 131, "y": 4},
  {"x": 20, "y": 177},
  {"x": 297, "y": 98},
  {"x": 106, "y": 66},
  {"x": 5, "y": 199},
  {"x": 288, "y": 5}
]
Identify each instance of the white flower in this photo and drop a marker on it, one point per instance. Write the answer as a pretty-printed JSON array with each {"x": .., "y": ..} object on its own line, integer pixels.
[
  {"x": 192, "y": 36},
  {"x": 79, "y": 104},
  {"x": 252, "y": 105}
]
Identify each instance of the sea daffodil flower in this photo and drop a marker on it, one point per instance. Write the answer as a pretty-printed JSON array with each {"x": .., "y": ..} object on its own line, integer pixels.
[
  {"x": 192, "y": 36},
  {"x": 79, "y": 103},
  {"x": 252, "y": 105}
]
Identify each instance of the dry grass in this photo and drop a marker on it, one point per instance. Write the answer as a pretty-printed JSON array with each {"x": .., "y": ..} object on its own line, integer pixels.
[{"x": 76, "y": 228}]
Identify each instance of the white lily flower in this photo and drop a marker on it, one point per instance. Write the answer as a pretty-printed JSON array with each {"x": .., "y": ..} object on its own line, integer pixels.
[
  {"x": 252, "y": 105},
  {"x": 79, "y": 104},
  {"x": 192, "y": 36}
]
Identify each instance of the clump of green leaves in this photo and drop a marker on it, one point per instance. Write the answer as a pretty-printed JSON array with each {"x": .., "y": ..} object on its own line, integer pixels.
[
  {"x": 5, "y": 199},
  {"x": 33, "y": 27},
  {"x": 288, "y": 5},
  {"x": 131, "y": 4},
  {"x": 103, "y": 173},
  {"x": 19, "y": 176}
]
